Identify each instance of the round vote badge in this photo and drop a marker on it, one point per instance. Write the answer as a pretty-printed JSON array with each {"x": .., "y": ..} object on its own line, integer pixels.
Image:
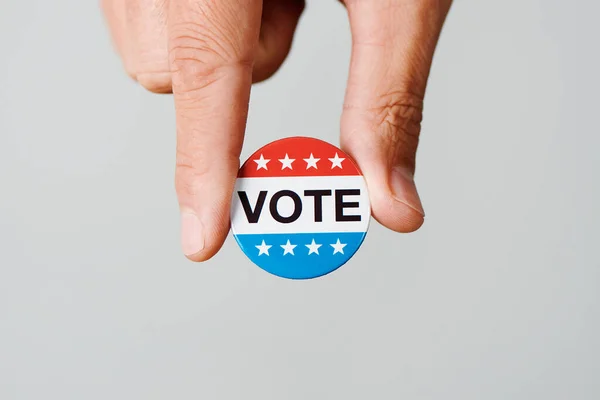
[{"x": 300, "y": 208}]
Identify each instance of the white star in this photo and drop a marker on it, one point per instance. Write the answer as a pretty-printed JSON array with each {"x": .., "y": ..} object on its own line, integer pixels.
[
  {"x": 338, "y": 247},
  {"x": 261, "y": 163},
  {"x": 288, "y": 248},
  {"x": 313, "y": 247},
  {"x": 311, "y": 162},
  {"x": 263, "y": 248},
  {"x": 336, "y": 161},
  {"x": 286, "y": 162}
]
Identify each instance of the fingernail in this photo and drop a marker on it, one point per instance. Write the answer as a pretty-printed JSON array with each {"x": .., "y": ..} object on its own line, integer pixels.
[
  {"x": 405, "y": 190},
  {"x": 192, "y": 234}
]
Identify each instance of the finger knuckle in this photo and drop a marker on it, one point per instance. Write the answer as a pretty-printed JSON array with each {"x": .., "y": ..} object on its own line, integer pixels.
[
  {"x": 199, "y": 54},
  {"x": 197, "y": 168},
  {"x": 190, "y": 168},
  {"x": 128, "y": 65},
  {"x": 185, "y": 186},
  {"x": 155, "y": 82},
  {"x": 131, "y": 73},
  {"x": 397, "y": 117}
]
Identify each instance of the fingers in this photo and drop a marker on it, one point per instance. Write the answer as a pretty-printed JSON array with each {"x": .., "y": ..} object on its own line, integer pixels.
[
  {"x": 147, "y": 20},
  {"x": 115, "y": 13},
  {"x": 211, "y": 48},
  {"x": 139, "y": 31},
  {"x": 393, "y": 46},
  {"x": 279, "y": 21},
  {"x": 204, "y": 52}
]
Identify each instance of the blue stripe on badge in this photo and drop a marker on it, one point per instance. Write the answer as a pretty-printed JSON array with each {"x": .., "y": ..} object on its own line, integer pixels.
[{"x": 300, "y": 255}]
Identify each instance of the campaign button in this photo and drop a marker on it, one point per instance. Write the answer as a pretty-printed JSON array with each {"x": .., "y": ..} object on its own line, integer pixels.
[{"x": 300, "y": 208}]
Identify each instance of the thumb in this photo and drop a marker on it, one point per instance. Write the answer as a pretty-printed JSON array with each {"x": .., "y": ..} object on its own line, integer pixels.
[{"x": 392, "y": 51}]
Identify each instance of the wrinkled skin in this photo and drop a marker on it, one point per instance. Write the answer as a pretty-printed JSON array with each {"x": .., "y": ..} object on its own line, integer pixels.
[{"x": 207, "y": 53}]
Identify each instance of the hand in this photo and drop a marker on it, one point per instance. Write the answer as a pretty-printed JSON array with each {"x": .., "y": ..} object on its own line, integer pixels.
[{"x": 209, "y": 52}]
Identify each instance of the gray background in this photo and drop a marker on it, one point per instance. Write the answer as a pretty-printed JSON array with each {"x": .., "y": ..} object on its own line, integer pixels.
[{"x": 496, "y": 297}]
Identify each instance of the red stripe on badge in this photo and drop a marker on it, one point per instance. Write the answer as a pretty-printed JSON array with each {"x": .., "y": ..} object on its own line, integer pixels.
[{"x": 298, "y": 156}]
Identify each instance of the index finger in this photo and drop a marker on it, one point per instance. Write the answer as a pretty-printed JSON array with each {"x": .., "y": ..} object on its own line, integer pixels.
[{"x": 211, "y": 49}]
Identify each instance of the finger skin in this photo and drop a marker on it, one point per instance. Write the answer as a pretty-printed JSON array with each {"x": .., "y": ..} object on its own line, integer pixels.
[
  {"x": 147, "y": 20},
  {"x": 392, "y": 51},
  {"x": 279, "y": 22},
  {"x": 115, "y": 13},
  {"x": 211, "y": 49}
]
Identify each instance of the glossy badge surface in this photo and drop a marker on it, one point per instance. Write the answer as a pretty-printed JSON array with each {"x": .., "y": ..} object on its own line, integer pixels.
[{"x": 300, "y": 208}]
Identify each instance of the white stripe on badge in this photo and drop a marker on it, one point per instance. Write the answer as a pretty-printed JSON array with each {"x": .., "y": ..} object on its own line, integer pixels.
[{"x": 300, "y": 205}]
